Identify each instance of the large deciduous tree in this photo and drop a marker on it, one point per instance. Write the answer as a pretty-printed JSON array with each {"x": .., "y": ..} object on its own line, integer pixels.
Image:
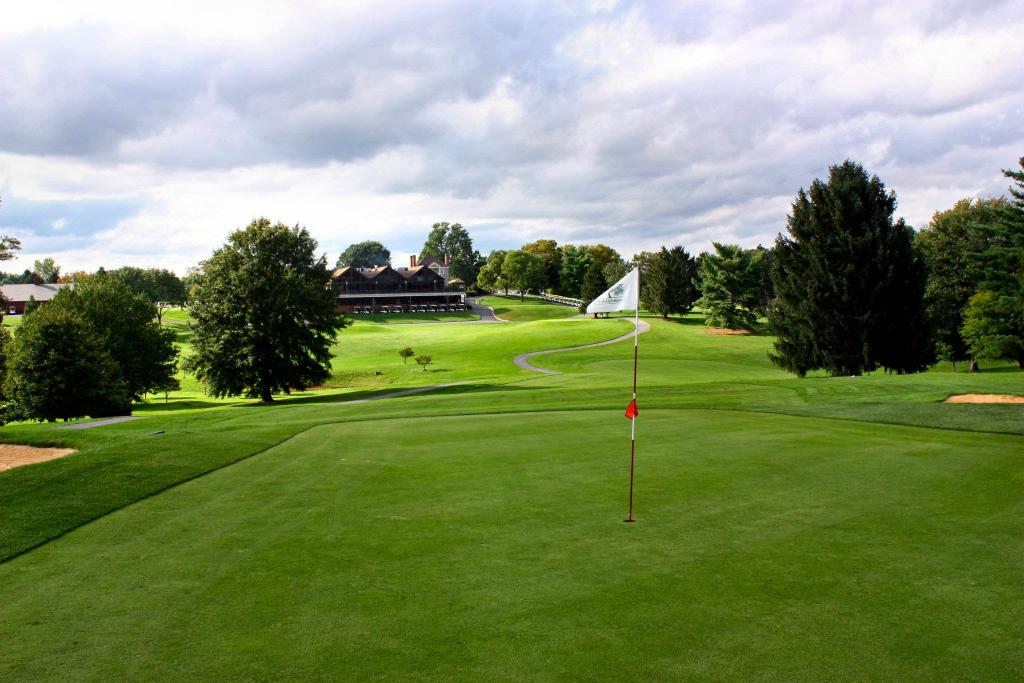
[
  {"x": 159, "y": 286},
  {"x": 551, "y": 254},
  {"x": 731, "y": 281},
  {"x": 490, "y": 276},
  {"x": 366, "y": 254},
  {"x": 670, "y": 286},
  {"x": 523, "y": 271},
  {"x": 849, "y": 282},
  {"x": 453, "y": 240},
  {"x": 125, "y": 324},
  {"x": 47, "y": 269},
  {"x": 59, "y": 370},
  {"x": 954, "y": 246},
  {"x": 994, "y": 320},
  {"x": 602, "y": 254},
  {"x": 264, "y": 315}
]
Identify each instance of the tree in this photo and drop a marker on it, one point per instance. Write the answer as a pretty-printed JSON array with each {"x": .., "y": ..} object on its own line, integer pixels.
[
  {"x": 364, "y": 255},
  {"x": 670, "y": 289},
  {"x": 849, "y": 282},
  {"x": 489, "y": 276},
  {"x": 59, "y": 370},
  {"x": 47, "y": 269},
  {"x": 406, "y": 354},
  {"x": 8, "y": 246},
  {"x": 523, "y": 272},
  {"x": 575, "y": 264},
  {"x": 730, "y": 282},
  {"x": 124, "y": 323},
  {"x": 76, "y": 277},
  {"x": 615, "y": 270},
  {"x": 551, "y": 254},
  {"x": 486, "y": 279},
  {"x": 5, "y": 349},
  {"x": 424, "y": 361},
  {"x": 265, "y": 318},
  {"x": 954, "y": 246},
  {"x": 31, "y": 305},
  {"x": 159, "y": 286},
  {"x": 602, "y": 254},
  {"x": 994, "y": 320},
  {"x": 594, "y": 285},
  {"x": 992, "y": 328},
  {"x": 453, "y": 240}
]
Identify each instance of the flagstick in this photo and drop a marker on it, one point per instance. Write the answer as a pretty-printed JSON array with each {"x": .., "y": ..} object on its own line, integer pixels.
[{"x": 632, "y": 426}]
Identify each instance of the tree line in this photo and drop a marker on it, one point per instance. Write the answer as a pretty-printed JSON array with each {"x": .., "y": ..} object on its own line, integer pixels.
[{"x": 846, "y": 289}]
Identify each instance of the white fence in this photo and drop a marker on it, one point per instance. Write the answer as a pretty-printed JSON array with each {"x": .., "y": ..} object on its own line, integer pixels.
[{"x": 564, "y": 300}]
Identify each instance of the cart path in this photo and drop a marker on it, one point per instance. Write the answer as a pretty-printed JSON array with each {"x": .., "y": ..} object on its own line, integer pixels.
[{"x": 523, "y": 359}]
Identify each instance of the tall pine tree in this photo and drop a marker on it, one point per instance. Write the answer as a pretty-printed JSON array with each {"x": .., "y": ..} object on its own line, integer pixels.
[
  {"x": 849, "y": 282},
  {"x": 594, "y": 284},
  {"x": 670, "y": 289}
]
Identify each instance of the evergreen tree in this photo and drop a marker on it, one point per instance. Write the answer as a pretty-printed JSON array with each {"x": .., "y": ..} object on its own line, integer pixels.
[
  {"x": 59, "y": 370},
  {"x": 670, "y": 282},
  {"x": 731, "y": 281},
  {"x": 575, "y": 263},
  {"x": 265, "y": 318},
  {"x": 849, "y": 282},
  {"x": 126, "y": 325},
  {"x": 594, "y": 285}
]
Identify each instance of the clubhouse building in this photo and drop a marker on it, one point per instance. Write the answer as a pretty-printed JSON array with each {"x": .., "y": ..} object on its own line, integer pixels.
[
  {"x": 422, "y": 287},
  {"x": 17, "y": 296}
]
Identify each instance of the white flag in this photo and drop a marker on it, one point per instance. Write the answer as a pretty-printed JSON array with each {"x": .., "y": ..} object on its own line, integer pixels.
[{"x": 624, "y": 295}]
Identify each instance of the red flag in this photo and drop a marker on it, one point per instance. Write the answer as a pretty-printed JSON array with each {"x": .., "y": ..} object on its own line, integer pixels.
[{"x": 631, "y": 411}]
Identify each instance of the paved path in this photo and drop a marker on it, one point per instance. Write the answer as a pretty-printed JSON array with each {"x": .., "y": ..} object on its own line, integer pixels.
[
  {"x": 523, "y": 359},
  {"x": 99, "y": 423},
  {"x": 486, "y": 313}
]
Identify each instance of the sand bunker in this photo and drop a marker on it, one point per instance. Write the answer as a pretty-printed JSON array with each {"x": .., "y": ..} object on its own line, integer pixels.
[
  {"x": 984, "y": 398},
  {"x": 723, "y": 332},
  {"x": 13, "y": 456}
]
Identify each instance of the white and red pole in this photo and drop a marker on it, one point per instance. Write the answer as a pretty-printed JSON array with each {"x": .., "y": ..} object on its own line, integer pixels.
[{"x": 632, "y": 406}]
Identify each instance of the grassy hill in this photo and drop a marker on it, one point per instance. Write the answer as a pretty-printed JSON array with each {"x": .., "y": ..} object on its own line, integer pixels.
[{"x": 818, "y": 528}]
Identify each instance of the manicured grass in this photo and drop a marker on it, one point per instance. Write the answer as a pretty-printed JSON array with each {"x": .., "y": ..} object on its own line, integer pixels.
[
  {"x": 404, "y": 318},
  {"x": 767, "y": 546},
  {"x": 12, "y": 321},
  {"x": 818, "y": 528},
  {"x": 511, "y": 308}
]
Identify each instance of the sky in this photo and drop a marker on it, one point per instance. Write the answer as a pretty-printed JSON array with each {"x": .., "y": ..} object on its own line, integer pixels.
[{"x": 144, "y": 133}]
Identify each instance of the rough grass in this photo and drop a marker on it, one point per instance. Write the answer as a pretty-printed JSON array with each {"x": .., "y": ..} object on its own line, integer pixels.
[{"x": 824, "y": 528}]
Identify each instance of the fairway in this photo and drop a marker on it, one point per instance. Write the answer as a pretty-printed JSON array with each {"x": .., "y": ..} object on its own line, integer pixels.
[{"x": 823, "y": 528}]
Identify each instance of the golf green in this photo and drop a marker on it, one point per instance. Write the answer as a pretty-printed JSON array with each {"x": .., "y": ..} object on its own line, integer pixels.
[{"x": 767, "y": 546}]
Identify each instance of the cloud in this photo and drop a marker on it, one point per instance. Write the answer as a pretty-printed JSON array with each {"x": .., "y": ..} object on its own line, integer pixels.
[{"x": 635, "y": 124}]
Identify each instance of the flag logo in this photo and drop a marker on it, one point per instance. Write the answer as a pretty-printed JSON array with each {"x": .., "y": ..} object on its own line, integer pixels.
[
  {"x": 624, "y": 295},
  {"x": 631, "y": 410}
]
